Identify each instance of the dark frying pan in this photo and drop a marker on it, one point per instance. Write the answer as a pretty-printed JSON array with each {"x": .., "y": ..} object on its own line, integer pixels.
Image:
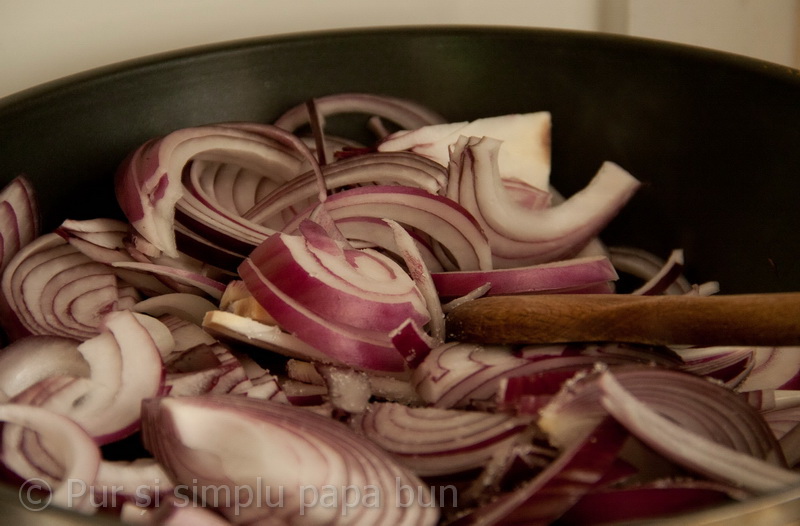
[{"x": 715, "y": 137}]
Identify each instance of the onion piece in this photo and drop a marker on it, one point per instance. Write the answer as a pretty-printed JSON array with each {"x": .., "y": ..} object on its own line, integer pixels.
[
  {"x": 52, "y": 288},
  {"x": 192, "y": 437},
  {"x": 30, "y": 359},
  {"x": 657, "y": 500},
  {"x": 422, "y": 278},
  {"x": 405, "y": 113},
  {"x": 690, "y": 449},
  {"x": 444, "y": 220},
  {"x": 520, "y": 236},
  {"x": 149, "y": 182},
  {"x": 348, "y": 390},
  {"x": 356, "y": 347},
  {"x": 773, "y": 368},
  {"x": 650, "y": 268},
  {"x": 526, "y": 137},
  {"x": 142, "y": 481},
  {"x": 541, "y": 500},
  {"x": 205, "y": 369},
  {"x": 67, "y": 441},
  {"x": 565, "y": 275},
  {"x": 190, "y": 307},
  {"x": 700, "y": 406},
  {"x": 228, "y": 325},
  {"x": 359, "y": 288},
  {"x": 401, "y": 168},
  {"x": 432, "y": 441},
  {"x": 19, "y": 217}
]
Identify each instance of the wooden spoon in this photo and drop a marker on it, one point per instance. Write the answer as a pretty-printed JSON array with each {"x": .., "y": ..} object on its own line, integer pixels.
[{"x": 745, "y": 319}]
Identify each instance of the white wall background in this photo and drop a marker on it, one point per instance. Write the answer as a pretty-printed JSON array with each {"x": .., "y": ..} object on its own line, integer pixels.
[{"x": 42, "y": 40}]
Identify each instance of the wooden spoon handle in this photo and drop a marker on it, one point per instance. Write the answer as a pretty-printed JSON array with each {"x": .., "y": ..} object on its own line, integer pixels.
[{"x": 746, "y": 319}]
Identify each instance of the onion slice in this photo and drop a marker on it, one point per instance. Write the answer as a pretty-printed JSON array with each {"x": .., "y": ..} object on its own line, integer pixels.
[
  {"x": 68, "y": 442},
  {"x": 191, "y": 437},
  {"x": 432, "y": 441},
  {"x": 689, "y": 449}
]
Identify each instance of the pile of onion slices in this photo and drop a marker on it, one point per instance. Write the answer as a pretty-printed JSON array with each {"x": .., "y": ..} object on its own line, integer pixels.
[{"x": 259, "y": 338}]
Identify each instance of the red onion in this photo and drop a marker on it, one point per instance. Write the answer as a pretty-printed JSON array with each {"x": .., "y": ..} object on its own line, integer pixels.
[
  {"x": 650, "y": 268},
  {"x": 447, "y": 222},
  {"x": 227, "y": 325},
  {"x": 190, "y": 307},
  {"x": 699, "y": 406},
  {"x": 149, "y": 182},
  {"x": 30, "y": 359},
  {"x": 406, "y": 113},
  {"x": 580, "y": 465},
  {"x": 519, "y": 236},
  {"x": 340, "y": 301},
  {"x": 432, "y": 441},
  {"x": 190, "y": 437},
  {"x": 526, "y": 138},
  {"x": 375, "y": 168},
  {"x": 66, "y": 441},
  {"x": 19, "y": 217},
  {"x": 773, "y": 367},
  {"x": 565, "y": 275},
  {"x": 689, "y": 448},
  {"x": 657, "y": 500},
  {"x": 52, "y": 288}
]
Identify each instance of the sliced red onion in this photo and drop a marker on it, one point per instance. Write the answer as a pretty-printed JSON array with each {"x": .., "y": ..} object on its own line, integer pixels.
[
  {"x": 69, "y": 443},
  {"x": 690, "y": 449},
  {"x": 541, "y": 500},
  {"x": 143, "y": 481},
  {"x": 773, "y": 368},
  {"x": 730, "y": 365},
  {"x": 526, "y": 137},
  {"x": 669, "y": 276},
  {"x": 191, "y": 437},
  {"x": 52, "y": 288},
  {"x": 413, "y": 342},
  {"x": 205, "y": 369},
  {"x": 401, "y": 168},
  {"x": 19, "y": 217},
  {"x": 23, "y": 450},
  {"x": 699, "y": 406},
  {"x": 664, "y": 275},
  {"x": 30, "y": 359},
  {"x": 348, "y": 390},
  {"x": 124, "y": 367},
  {"x": 263, "y": 384},
  {"x": 207, "y": 285},
  {"x": 658, "y": 500},
  {"x": 405, "y": 113},
  {"x": 520, "y": 236},
  {"x": 444, "y": 220},
  {"x": 372, "y": 232},
  {"x": 421, "y": 275},
  {"x": 149, "y": 182},
  {"x": 463, "y": 374},
  {"x": 360, "y": 288},
  {"x": 302, "y": 394},
  {"x": 340, "y": 301},
  {"x": 431, "y": 441},
  {"x": 356, "y": 347},
  {"x": 566, "y": 275},
  {"x": 228, "y": 325},
  {"x": 189, "y": 307}
]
